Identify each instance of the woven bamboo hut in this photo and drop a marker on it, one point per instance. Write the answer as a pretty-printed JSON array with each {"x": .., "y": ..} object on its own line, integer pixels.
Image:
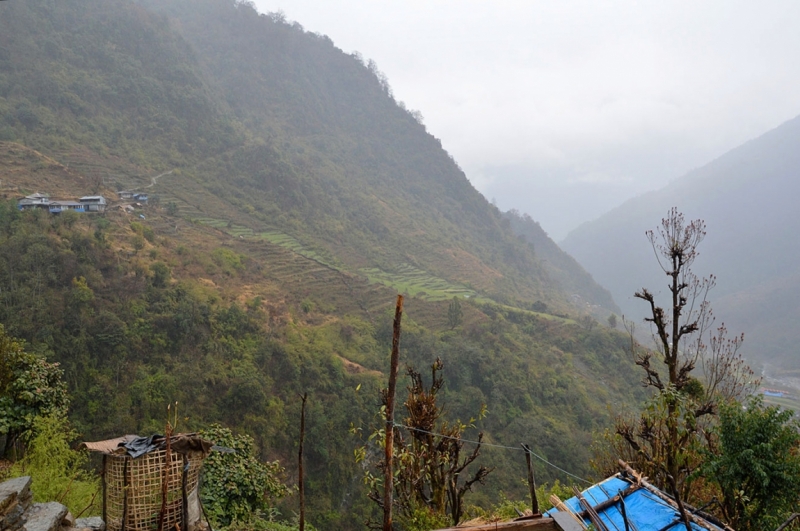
[{"x": 150, "y": 483}]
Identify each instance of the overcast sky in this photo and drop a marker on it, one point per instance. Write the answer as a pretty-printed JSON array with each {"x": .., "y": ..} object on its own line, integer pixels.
[{"x": 564, "y": 109}]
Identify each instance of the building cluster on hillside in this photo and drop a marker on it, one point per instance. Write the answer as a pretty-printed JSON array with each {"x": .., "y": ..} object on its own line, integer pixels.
[
  {"x": 775, "y": 393},
  {"x": 127, "y": 195},
  {"x": 88, "y": 203}
]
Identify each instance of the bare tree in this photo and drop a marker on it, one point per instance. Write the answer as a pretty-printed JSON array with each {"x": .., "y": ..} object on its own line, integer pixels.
[
  {"x": 669, "y": 431},
  {"x": 430, "y": 468},
  {"x": 433, "y": 478}
]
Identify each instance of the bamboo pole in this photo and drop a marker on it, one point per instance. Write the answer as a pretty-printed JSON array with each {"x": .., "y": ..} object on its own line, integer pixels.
[
  {"x": 562, "y": 507},
  {"x": 388, "y": 479},
  {"x": 165, "y": 479},
  {"x": 301, "y": 479},
  {"x": 657, "y": 492},
  {"x": 788, "y": 522},
  {"x": 592, "y": 514},
  {"x": 531, "y": 481}
]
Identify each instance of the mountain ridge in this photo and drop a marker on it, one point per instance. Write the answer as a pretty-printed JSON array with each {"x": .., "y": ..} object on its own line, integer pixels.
[{"x": 745, "y": 197}]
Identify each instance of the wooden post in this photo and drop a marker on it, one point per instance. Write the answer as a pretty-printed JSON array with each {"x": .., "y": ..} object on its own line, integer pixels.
[
  {"x": 531, "y": 480},
  {"x": 300, "y": 463},
  {"x": 185, "y": 493},
  {"x": 105, "y": 488},
  {"x": 165, "y": 479},
  {"x": 593, "y": 516},
  {"x": 125, "y": 483},
  {"x": 786, "y": 524},
  {"x": 388, "y": 477},
  {"x": 623, "y": 511}
]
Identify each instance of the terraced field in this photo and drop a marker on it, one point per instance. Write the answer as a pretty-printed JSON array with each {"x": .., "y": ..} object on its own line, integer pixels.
[
  {"x": 418, "y": 283},
  {"x": 288, "y": 242},
  {"x": 301, "y": 268},
  {"x": 330, "y": 288}
]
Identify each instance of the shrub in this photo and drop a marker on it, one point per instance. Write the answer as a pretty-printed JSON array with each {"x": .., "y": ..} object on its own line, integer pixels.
[
  {"x": 236, "y": 486},
  {"x": 57, "y": 471}
]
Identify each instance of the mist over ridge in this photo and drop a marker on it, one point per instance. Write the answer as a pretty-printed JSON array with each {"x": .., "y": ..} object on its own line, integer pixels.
[{"x": 747, "y": 198}]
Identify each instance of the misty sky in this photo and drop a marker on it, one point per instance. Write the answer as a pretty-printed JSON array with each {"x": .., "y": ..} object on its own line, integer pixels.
[{"x": 565, "y": 109}]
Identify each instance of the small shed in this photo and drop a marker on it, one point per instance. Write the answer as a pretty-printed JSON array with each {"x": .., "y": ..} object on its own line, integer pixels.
[
  {"x": 628, "y": 501},
  {"x": 36, "y": 200},
  {"x": 152, "y": 480},
  {"x": 93, "y": 203}
]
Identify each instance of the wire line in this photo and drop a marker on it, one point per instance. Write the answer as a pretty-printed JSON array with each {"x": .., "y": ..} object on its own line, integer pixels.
[{"x": 534, "y": 454}]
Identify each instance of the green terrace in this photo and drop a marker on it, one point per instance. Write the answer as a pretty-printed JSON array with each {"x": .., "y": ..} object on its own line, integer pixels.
[{"x": 418, "y": 283}]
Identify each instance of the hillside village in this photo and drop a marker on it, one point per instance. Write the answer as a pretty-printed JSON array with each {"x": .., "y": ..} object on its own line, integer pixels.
[{"x": 127, "y": 201}]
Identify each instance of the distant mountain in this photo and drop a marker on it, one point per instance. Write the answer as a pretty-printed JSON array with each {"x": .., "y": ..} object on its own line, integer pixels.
[{"x": 748, "y": 198}]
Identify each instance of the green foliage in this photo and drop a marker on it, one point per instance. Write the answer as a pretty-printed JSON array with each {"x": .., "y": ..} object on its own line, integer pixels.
[
  {"x": 423, "y": 518},
  {"x": 508, "y": 509},
  {"x": 161, "y": 274},
  {"x": 229, "y": 261},
  {"x": 131, "y": 347},
  {"x": 260, "y": 524},
  {"x": 237, "y": 487},
  {"x": 454, "y": 313},
  {"x": 755, "y": 464},
  {"x": 30, "y": 387},
  {"x": 57, "y": 471}
]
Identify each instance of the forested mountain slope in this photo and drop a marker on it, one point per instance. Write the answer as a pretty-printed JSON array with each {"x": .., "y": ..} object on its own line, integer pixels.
[
  {"x": 292, "y": 198},
  {"x": 560, "y": 266},
  {"x": 747, "y": 198},
  {"x": 277, "y": 122}
]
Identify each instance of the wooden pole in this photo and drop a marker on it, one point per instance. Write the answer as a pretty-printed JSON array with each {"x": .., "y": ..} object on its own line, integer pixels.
[
  {"x": 623, "y": 511},
  {"x": 300, "y": 463},
  {"x": 388, "y": 478},
  {"x": 593, "y": 516},
  {"x": 786, "y": 524},
  {"x": 531, "y": 480},
  {"x": 165, "y": 477},
  {"x": 657, "y": 492},
  {"x": 105, "y": 486},
  {"x": 602, "y": 506}
]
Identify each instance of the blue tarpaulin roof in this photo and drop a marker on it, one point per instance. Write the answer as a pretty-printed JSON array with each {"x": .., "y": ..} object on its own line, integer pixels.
[{"x": 645, "y": 510}]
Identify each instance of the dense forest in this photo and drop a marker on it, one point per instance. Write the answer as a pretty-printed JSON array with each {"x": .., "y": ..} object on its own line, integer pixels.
[{"x": 173, "y": 321}]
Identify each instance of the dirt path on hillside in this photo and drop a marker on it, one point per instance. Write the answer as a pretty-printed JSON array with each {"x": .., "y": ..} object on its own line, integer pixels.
[{"x": 154, "y": 180}]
